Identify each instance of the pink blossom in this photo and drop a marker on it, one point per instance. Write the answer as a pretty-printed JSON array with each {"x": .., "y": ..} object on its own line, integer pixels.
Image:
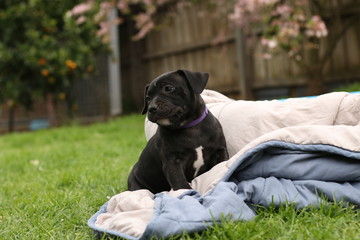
[
  {"x": 250, "y": 5},
  {"x": 104, "y": 28},
  {"x": 316, "y": 27},
  {"x": 82, "y": 8},
  {"x": 299, "y": 16},
  {"x": 245, "y": 11},
  {"x": 104, "y": 9},
  {"x": 270, "y": 43},
  {"x": 289, "y": 29},
  {"x": 302, "y": 2},
  {"x": 81, "y": 20},
  {"x": 284, "y": 10},
  {"x": 147, "y": 2},
  {"x": 238, "y": 15},
  {"x": 123, "y": 6},
  {"x": 141, "y": 19},
  {"x": 144, "y": 30},
  {"x": 264, "y": 41},
  {"x": 267, "y": 1}
]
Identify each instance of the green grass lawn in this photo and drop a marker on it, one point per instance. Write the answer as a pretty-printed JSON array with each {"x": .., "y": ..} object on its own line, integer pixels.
[{"x": 53, "y": 181}]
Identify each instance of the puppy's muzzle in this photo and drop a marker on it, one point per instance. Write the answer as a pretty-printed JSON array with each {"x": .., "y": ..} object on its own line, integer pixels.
[{"x": 153, "y": 109}]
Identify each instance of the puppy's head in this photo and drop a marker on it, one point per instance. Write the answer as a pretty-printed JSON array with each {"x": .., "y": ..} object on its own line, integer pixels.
[{"x": 173, "y": 96}]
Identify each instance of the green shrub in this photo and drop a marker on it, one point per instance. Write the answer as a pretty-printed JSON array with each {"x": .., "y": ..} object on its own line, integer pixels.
[
  {"x": 43, "y": 49},
  {"x": 354, "y": 87}
]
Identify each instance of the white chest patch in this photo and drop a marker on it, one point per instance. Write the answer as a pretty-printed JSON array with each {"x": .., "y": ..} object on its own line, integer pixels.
[
  {"x": 199, "y": 162},
  {"x": 164, "y": 122}
]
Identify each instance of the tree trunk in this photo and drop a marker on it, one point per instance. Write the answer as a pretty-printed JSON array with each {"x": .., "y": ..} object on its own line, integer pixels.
[
  {"x": 316, "y": 81},
  {"x": 69, "y": 105},
  {"x": 50, "y": 105},
  {"x": 314, "y": 71},
  {"x": 11, "y": 118}
]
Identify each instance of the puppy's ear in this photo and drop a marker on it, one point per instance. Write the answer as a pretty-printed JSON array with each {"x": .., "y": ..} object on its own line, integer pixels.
[
  {"x": 146, "y": 104},
  {"x": 197, "y": 80}
]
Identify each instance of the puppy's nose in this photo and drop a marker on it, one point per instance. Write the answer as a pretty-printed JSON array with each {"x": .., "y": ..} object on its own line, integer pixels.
[{"x": 152, "y": 109}]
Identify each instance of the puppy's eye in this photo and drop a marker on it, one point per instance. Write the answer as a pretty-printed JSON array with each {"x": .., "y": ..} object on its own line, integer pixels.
[
  {"x": 169, "y": 88},
  {"x": 147, "y": 99}
]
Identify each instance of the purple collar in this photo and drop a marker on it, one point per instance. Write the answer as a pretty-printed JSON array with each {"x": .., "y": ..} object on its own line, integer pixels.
[{"x": 197, "y": 121}]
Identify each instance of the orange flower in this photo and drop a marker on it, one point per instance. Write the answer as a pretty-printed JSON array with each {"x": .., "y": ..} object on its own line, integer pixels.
[
  {"x": 45, "y": 72},
  {"x": 42, "y": 61},
  {"x": 71, "y": 64},
  {"x": 62, "y": 96},
  {"x": 90, "y": 68}
]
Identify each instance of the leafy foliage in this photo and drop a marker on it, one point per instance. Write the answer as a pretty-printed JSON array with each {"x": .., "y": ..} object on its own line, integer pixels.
[
  {"x": 42, "y": 49},
  {"x": 354, "y": 87}
]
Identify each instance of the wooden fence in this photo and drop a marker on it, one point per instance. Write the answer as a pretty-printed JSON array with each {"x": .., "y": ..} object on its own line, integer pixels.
[
  {"x": 189, "y": 41},
  {"x": 192, "y": 41}
]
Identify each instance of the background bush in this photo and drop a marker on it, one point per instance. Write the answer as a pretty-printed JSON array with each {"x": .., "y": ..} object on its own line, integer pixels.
[{"x": 43, "y": 50}]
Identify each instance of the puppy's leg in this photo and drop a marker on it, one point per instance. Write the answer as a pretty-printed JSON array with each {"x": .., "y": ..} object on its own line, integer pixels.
[
  {"x": 133, "y": 186},
  {"x": 217, "y": 157},
  {"x": 133, "y": 183},
  {"x": 175, "y": 175},
  {"x": 223, "y": 155}
]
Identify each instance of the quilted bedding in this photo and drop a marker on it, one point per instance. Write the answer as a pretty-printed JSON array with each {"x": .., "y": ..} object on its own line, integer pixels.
[{"x": 280, "y": 151}]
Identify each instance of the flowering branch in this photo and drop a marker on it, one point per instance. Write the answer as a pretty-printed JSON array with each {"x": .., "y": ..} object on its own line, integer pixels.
[
  {"x": 144, "y": 20},
  {"x": 284, "y": 25}
]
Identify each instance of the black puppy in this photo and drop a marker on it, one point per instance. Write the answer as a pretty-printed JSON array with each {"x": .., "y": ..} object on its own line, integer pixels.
[{"x": 189, "y": 140}]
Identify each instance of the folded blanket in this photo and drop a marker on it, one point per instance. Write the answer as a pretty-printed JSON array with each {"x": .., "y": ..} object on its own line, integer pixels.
[{"x": 280, "y": 151}]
